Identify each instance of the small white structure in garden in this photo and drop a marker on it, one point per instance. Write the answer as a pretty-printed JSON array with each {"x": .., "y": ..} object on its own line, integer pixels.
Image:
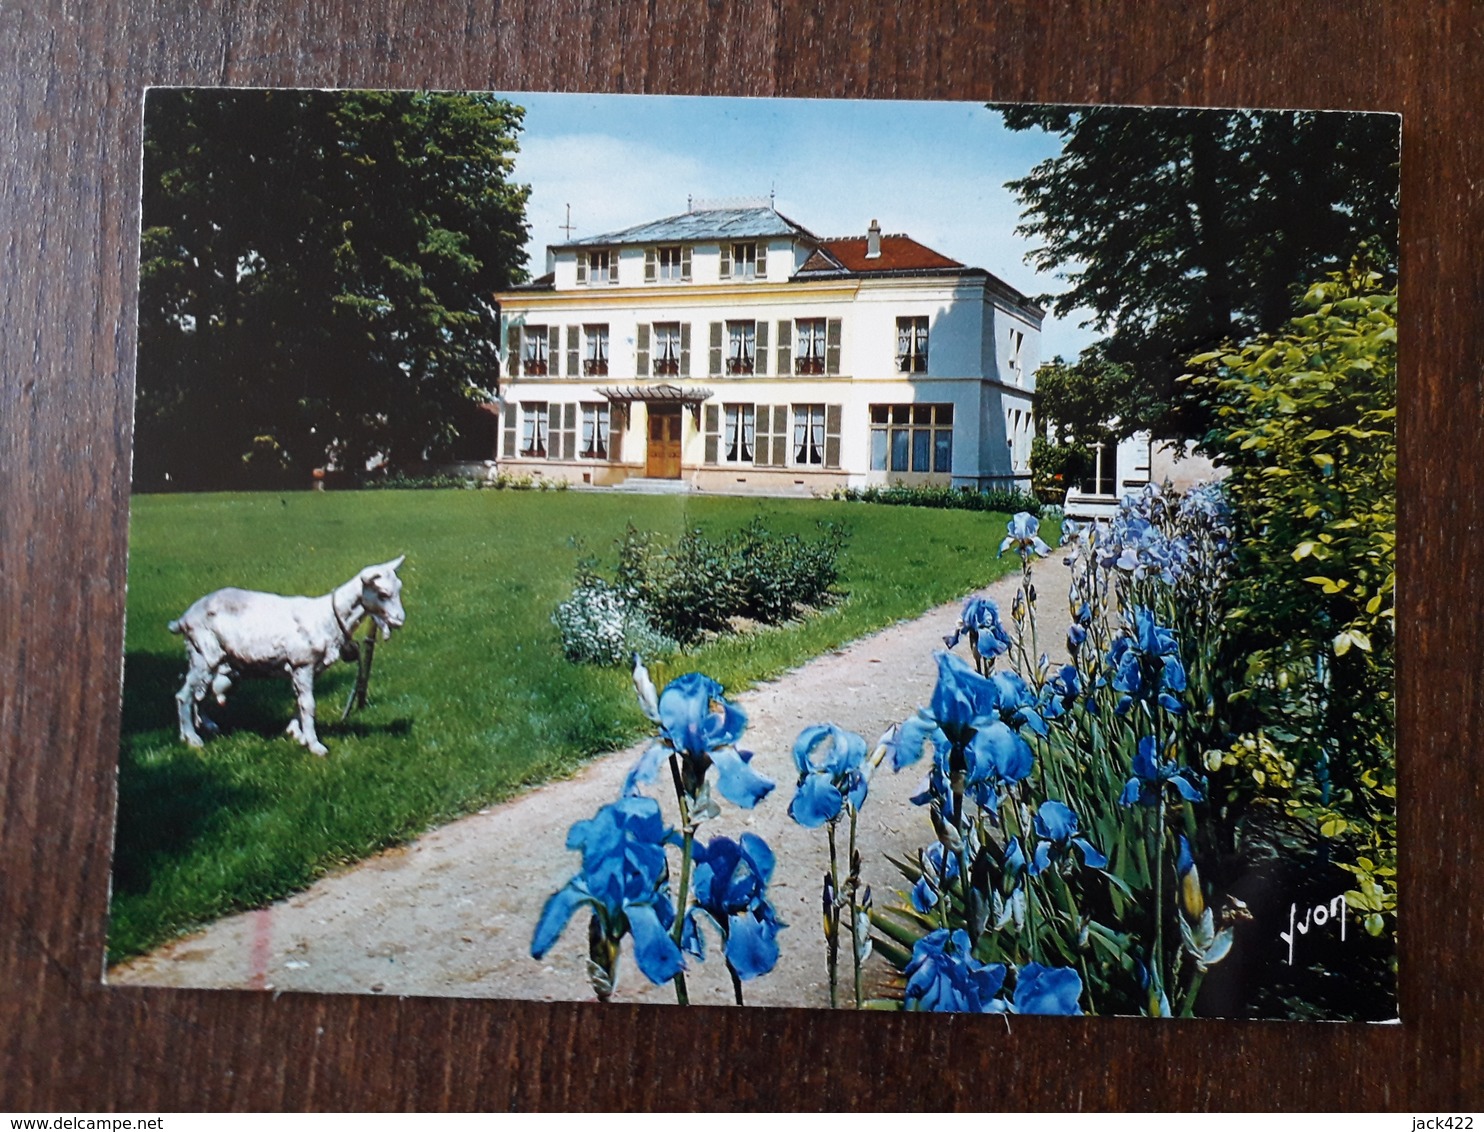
[{"x": 729, "y": 348}]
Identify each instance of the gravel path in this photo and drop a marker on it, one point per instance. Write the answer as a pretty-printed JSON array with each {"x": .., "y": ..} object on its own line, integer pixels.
[{"x": 452, "y": 912}]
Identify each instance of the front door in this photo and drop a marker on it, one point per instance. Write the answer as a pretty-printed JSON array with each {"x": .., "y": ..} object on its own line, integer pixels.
[{"x": 663, "y": 458}]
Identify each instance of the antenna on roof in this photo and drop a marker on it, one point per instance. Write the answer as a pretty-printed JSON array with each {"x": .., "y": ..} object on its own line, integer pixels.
[
  {"x": 689, "y": 203},
  {"x": 567, "y": 227},
  {"x": 773, "y": 196}
]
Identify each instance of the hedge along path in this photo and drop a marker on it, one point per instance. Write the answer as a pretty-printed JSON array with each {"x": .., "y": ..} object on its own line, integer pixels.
[{"x": 452, "y": 913}]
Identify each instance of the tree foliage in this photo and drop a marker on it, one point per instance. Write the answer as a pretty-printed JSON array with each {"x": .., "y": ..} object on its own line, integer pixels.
[
  {"x": 1183, "y": 229},
  {"x": 315, "y": 278},
  {"x": 1306, "y": 423}
]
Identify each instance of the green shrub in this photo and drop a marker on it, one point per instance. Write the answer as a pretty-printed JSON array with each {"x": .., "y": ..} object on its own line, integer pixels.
[
  {"x": 698, "y": 584},
  {"x": 1306, "y": 422},
  {"x": 956, "y": 498}
]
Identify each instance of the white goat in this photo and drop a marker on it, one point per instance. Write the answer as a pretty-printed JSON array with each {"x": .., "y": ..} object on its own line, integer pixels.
[{"x": 233, "y": 633}]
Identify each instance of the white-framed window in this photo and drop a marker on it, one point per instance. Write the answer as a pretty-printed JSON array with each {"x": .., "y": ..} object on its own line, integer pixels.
[
  {"x": 740, "y": 436},
  {"x": 912, "y": 344},
  {"x": 808, "y": 445},
  {"x": 595, "y": 356},
  {"x": 667, "y": 348},
  {"x": 667, "y": 263},
  {"x": 533, "y": 351},
  {"x": 533, "y": 428},
  {"x": 1017, "y": 341},
  {"x": 912, "y": 438},
  {"x": 599, "y": 265},
  {"x": 744, "y": 260},
  {"x": 741, "y": 346},
  {"x": 594, "y": 430},
  {"x": 809, "y": 353}
]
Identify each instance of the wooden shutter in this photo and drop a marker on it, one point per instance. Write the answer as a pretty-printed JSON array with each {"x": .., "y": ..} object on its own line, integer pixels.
[
  {"x": 726, "y": 261},
  {"x": 554, "y": 351},
  {"x": 781, "y": 437},
  {"x": 582, "y": 267},
  {"x": 613, "y": 266},
  {"x": 685, "y": 264},
  {"x": 618, "y": 423},
  {"x": 762, "y": 438},
  {"x": 512, "y": 430},
  {"x": 651, "y": 265},
  {"x": 832, "y": 436},
  {"x": 512, "y": 350},
  {"x": 785, "y": 348},
  {"x": 569, "y": 431},
  {"x": 573, "y": 349},
  {"x": 832, "y": 346},
  {"x": 762, "y": 260},
  {"x": 713, "y": 433},
  {"x": 641, "y": 359},
  {"x": 760, "y": 362},
  {"x": 716, "y": 333},
  {"x": 685, "y": 349}
]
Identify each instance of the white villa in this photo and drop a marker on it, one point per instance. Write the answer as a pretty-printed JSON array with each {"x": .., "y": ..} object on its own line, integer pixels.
[{"x": 734, "y": 350}]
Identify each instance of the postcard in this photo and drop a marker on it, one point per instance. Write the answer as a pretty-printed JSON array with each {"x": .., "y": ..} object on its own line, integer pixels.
[{"x": 762, "y": 552}]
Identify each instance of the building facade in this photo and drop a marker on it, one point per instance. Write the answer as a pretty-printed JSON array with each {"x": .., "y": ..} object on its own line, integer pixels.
[{"x": 733, "y": 349}]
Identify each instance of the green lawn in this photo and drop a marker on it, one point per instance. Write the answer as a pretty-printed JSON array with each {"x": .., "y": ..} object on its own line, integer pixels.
[{"x": 470, "y": 703}]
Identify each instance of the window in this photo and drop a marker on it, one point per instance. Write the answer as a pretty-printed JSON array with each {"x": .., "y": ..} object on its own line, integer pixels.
[
  {"x": 809, "y": 358},
  {"x": 744, "y": 261},
  {"x": 594, "y": 431},
  {"x": 808, "y": 434},
  {"x": 670, "y": 264},
  {"x": 666, "y": 348},
  {"x": 912, "y": 344},
  {"x": 595, "y": 360},
  {"x": 912, "y": 438},
  {"x": 1017, "y": 340},
  {"x": 533, "y": 351},
  {"x": 741, "y": 347},
  {"x": 597, "y": 266},
  {"x": 533, "y": 427},
  {"x": 740, "y": 435}
]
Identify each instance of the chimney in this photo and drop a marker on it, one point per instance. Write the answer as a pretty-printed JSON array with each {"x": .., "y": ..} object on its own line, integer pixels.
[{"x": 873, "y": 241}]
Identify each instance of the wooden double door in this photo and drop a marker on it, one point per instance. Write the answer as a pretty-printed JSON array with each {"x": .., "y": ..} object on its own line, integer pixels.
[{"x": 662, "y": 457}]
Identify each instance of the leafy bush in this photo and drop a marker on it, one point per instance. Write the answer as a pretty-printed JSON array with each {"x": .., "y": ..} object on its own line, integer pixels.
[
  {"x": 598, "y": 626},
  {"x": 1306, "y": 421},
  {"x": 957, "y": 498},
  {"x": 697, "y": 585},
  {"x": 401, "y": 481}
]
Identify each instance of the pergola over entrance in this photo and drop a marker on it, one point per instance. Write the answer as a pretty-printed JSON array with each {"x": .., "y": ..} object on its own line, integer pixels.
[{"x": 662, "y": 394}]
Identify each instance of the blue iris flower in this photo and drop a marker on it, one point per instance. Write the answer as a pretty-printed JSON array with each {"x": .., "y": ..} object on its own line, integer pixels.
[
  {"x": 965, "y": 725},
  {"x": 1047, "y": 990},
  {"x": 1061, "y": 692},
  {"x": 944, "y": 976},
  {"x": 1151, "y": 776},
  {"x": 702, "y": 727},
  {"x": 730, "y": 885},
  {"x": 832, "y": 771},
  {"x": 1146, "y": 664},
  {"x": 1024, "y": 536},
  {"x": 624, "y": 879},
  {"x": 981, "y": 621},
  {"x": 926, "y": 891},
  {"x": 1056, "y": 826}
]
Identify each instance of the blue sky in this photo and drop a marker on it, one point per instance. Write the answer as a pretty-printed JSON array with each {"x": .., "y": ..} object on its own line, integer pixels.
[{"x": 934, "y": 170}]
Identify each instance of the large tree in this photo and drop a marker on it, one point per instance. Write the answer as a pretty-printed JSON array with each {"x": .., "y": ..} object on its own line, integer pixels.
[
  {"x": 1181, "y": 229},
  {"x": 315, "y": 278}
]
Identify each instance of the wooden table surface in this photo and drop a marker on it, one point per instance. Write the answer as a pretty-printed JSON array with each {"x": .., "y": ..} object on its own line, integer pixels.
[{"x": 73, "y": 75}]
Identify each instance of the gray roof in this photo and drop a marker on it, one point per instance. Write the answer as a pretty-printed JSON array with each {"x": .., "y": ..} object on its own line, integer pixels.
[{"x": 702, "y": 224}]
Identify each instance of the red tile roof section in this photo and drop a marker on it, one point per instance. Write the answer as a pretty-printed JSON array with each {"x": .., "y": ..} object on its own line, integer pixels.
[{"x": 898, "y": 253}]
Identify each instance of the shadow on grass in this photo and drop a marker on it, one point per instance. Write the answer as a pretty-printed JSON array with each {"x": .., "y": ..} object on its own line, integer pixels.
[{"x": 259, "y": 706}]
